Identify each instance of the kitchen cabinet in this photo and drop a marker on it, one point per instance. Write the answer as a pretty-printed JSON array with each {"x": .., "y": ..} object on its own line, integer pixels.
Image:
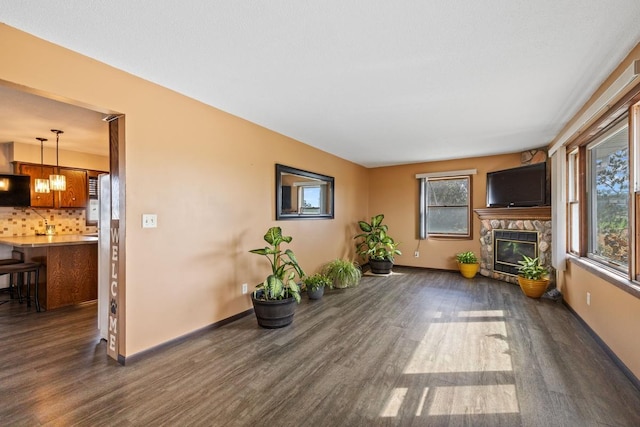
[
  {"x": 38, "y": 200},
  {"x": 75, "y": 196}
]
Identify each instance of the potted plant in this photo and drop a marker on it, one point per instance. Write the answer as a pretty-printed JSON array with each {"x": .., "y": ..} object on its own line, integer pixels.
[
  {"x": 468, "y": 264},
  {"x": 274, "y": 299},
  {"x": 376, "y": 245},
  {"x": 315, "y": 285},
  {"x": 532, "y": 277},
  {"x": 342, "y": 273}
]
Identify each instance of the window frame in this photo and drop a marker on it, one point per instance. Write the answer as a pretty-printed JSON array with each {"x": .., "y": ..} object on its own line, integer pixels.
[
  {"x": 590, "y": 200},
  {"x": 626, "y": 111},
  {"x": 629, "y": 104},
  {"x": 574, "y": 220},
  {"x": 424, "y": 208}
]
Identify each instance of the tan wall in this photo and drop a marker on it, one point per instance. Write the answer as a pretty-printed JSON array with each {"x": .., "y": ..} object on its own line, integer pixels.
[
  {"x": 613, "y": 313},
  {"x": 394, "y": 192},
  {"x": 5, "y": 158},
  {"x": 209, "y": 177},
  {"x": 31, "y": 153}
]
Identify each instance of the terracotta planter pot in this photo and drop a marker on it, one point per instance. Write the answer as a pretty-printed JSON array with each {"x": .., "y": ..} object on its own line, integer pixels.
[
  {"x": 533, "y": 288},
  {"x": 468, "y": 270}
]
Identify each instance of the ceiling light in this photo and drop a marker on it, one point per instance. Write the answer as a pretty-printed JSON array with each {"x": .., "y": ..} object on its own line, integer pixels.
[
  {"x": 57, "y": 182},
  {"x": 41, "y": 184}
]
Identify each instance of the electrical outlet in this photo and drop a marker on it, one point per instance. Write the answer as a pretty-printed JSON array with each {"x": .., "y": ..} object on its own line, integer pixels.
[
  {"x": 244, "y": 288},
  {"x": 416, "y": 254},
  {"x": 149, "y": 221},
  {"x": 588, "y": 298}
]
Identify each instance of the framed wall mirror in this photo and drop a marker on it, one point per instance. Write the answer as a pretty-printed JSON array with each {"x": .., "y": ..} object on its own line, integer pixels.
[{"x": 302, "y": 194}]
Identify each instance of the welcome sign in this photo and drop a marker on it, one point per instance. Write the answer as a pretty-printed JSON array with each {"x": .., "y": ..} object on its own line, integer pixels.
[{"x": 112, "y": 338}]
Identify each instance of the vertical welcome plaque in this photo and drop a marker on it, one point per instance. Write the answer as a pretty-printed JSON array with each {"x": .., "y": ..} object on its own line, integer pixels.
[
  {"x": 115, "y": 332},
  {"x": 112, "y": 337}
]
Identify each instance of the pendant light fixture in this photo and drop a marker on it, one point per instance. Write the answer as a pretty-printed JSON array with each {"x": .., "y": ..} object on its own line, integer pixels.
[
  {"x": 57, "y": 182},
  {"x": 41, "y": 184}
]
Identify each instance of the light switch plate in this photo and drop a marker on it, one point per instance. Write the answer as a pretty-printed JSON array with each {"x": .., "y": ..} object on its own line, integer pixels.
[{"x": 149, "y": 220}]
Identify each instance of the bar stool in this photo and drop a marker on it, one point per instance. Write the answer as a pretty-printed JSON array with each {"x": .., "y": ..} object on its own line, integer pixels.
[
  {"x": 9, "y": 261},
  {"x": 23, "y": 271}
]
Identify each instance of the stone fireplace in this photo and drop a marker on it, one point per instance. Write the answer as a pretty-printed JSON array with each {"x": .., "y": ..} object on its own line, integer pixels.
[{"x": 507, "y": 234}]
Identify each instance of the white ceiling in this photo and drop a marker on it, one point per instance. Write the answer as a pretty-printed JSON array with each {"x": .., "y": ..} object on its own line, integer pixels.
[
  {"x": 376, "y": 82},
  {"x": 25, "y": 117}
]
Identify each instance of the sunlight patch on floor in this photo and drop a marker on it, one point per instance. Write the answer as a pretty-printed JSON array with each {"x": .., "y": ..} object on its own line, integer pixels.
[
  {"x": 475, "y": 399},
  {"x": 423, "y": 399},
  {"x": 457, "y": 400},
  {"x": 483, "y": 345},
  {"x": 482, "y": 313},
  {"x": 394, "y": 403}
]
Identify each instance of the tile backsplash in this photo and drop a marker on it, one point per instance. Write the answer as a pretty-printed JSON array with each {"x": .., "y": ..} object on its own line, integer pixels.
[{"x": 28, "y": 221}]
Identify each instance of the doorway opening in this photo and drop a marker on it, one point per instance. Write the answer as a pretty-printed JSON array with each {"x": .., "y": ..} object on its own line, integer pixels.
[{"x": 90, "y": 146}]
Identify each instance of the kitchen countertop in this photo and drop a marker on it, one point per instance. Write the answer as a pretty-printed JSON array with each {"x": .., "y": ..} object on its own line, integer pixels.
[{"x": 41, "y": 241}]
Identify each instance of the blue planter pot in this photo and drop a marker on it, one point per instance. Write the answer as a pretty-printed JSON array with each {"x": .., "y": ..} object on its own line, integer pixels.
[{"x": 317, "y": 294}]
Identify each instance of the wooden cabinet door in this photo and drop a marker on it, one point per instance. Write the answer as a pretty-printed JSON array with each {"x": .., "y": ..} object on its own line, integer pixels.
[
  {"x": 39, "y": 200},
  {"x": 75, "y": 196}
]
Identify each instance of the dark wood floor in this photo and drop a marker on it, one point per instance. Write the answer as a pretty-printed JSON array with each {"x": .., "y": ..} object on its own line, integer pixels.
[{"x": 418, "y": 348}]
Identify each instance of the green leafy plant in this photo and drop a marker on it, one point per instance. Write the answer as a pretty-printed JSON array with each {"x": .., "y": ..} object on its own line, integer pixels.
[
  {"x": 317, "y": 281},
  {"x": 375, "y": 243},
  {"x": 342, "y": 273},
  {"x": 467, "y": 257},
  {"x": 280, "y": 284},
  {"x": 530, "y": 268}
]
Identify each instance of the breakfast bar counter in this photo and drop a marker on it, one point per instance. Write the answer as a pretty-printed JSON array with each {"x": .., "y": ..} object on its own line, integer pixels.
[
  {"x": 37, "y": 241},
  {"x": 69, "y": 272}
]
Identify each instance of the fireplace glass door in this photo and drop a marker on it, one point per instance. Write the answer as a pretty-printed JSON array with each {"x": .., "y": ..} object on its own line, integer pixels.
[{"x": 510, "y": 247}]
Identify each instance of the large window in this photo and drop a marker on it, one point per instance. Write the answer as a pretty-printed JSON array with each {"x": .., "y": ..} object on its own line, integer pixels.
[
  {"x": 608, "y": 191},
  {"x": 446, "y": 206},
  {"x": 603, "y": 190}
]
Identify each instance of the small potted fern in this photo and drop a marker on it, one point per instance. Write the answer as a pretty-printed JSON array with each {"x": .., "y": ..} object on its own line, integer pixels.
[
  {"x": 532, "y": 277},
  {"x": 342, "y": 273},
  {"x": 468, "y": 264},
  {"x": 315, "y": 285}
]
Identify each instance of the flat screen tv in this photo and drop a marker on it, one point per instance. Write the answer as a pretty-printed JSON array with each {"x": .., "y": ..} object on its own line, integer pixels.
[
  {"x": 523, "y": 186},
  {"x": 15, "y": 190}
]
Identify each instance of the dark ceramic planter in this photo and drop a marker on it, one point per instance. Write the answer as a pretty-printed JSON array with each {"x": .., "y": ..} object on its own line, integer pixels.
[
  {"x": 380, "y": 267},
  {"x": 274, "y": 314},
  {"x": 317, "y": 294}
]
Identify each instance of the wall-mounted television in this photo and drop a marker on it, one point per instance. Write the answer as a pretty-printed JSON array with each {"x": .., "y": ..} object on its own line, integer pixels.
[
  {"x": 15, "y": 190},
  {"x": 524, "y": 186}
]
